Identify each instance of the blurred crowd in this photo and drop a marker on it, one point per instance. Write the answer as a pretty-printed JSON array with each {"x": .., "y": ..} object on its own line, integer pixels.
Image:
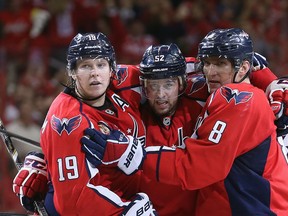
[{"x": 35, "y": 34}]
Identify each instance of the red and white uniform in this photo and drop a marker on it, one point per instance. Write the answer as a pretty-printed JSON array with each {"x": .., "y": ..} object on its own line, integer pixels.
[
  {"x": 233, "y": 157},
  {"x": 170, "y": 200},
  {"x": 166, "y": 199},
  {"x": 60, "y": 140},
  {"x": 170, "y": 131}
]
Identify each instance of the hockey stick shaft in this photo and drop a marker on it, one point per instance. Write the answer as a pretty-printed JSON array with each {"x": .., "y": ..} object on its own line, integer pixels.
[
  {"x": 10, "y": 134},
  {"x": 15, "y": 157}
]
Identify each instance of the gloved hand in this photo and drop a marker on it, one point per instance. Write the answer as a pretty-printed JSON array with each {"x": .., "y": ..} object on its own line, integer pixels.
[
  {"x": 277, "y": 93},
  {"x": 110, "y": 148},
  {"x": 141, "y": 205},
  {"x": 30, "y": 183},
  {"x": 101, "y": 148},
  {"x": 133, "y": 157},
  {"x": 259, "y": 62}
]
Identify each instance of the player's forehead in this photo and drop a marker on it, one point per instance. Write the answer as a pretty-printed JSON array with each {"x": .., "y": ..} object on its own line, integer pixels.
[{"x": 216, "y": 59}]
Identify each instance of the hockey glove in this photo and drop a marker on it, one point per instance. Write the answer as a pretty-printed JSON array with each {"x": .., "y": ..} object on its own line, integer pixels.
[
  {"x": 102, "y": 148},
  {"x": 259, "y": 62},
  {"x": 277, "y": 93},
  {"x": 110, "y": 148},
  {"x": 141, "y": 205},
  {"x": 133, "y": 157},
  {"x": 30, "y": 183}
]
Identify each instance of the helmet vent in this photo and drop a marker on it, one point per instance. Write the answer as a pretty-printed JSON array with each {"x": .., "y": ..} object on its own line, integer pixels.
[{"x": 228, "y": 47}]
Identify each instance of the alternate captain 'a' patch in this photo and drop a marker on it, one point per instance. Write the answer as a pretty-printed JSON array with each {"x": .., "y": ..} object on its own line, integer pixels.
[
  {"x": 64, "y": 124},
  {"x": 238, "y": 96}
]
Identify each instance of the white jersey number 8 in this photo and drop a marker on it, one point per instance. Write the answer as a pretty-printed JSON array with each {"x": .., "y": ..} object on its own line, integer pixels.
[{"x": 217, "y": 132}]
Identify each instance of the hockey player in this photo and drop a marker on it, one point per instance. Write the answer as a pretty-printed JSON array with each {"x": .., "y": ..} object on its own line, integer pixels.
[
  {"x": 169, "y": 126},
  {"x": 237, "y": 173},
  {"x": 233, "y": 158},
  {"x": 169, "y": 115},
  {"x": 77, "y": 187}
]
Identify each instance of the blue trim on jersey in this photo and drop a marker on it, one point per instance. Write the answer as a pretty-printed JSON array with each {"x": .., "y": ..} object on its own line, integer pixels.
[
  {"x": 158, "y": 163},
  {"x": 127, "y": 88},
  {"x": 49, "y": 203},
  {"x": 249, "y": 193},
  {"x": 89, "y": 123},
  {"x": 83, "y": 114}
]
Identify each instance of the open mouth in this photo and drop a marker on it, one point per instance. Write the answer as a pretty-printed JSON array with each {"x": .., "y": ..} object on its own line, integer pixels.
[
  {"x": 213, "y": 81},
  {"x": 162, "y": 104},
  {"x": 95, "y": 83}
]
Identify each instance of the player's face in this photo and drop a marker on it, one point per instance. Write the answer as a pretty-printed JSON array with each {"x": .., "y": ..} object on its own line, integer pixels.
[
  {"x": 218, "y": 72},
  {"x": 92, "y": 77},
  {"x": 162, "y": 95}
]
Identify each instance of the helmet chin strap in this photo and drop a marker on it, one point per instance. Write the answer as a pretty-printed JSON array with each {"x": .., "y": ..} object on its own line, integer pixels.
[
  {"x": 241, "y": 80},
  {"x": 234, "y": 77}
]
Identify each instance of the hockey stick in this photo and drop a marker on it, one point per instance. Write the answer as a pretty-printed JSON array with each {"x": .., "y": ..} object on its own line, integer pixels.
[
  {"x": 14, "y": 155},
  {"x": 10, "y": 134}
]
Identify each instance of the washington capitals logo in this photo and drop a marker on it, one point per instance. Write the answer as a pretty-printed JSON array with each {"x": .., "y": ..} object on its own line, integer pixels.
[
  {"x": 68, "y": 125},
  {"x": 121, "y": 74},
  {"x": 198, "y": 82},
  {"x": 239, "y": 97}
]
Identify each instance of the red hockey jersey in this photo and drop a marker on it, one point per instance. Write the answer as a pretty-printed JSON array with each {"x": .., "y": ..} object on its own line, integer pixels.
[
  {"x": 233, "y": 157},
  {"x": 62, "y": 130},
  {"x": 171, "y": 130},
  {"x": 170, "y": 200}
]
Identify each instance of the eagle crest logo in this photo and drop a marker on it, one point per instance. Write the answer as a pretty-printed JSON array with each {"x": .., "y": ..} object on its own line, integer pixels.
[
  {"x": 238, "y": 96},
  {"x": 64, "y": 124}
]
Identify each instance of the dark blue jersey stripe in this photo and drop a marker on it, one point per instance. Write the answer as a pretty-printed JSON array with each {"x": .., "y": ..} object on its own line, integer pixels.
[{"x": 249, "y": 193}]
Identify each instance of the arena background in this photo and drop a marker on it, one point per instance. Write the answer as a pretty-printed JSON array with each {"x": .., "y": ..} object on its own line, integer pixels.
[{"x": 35, "y": 34}]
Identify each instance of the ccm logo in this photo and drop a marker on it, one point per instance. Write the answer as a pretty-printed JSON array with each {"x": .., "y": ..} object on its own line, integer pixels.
[{"x": 131, "y": 153}]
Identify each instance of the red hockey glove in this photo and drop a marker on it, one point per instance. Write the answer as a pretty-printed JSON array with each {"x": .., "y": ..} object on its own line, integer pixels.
[
  {"x": 30, "y": 183},
  {"x": 141, "y": 205},
  {"x": 277, "y": 93}
]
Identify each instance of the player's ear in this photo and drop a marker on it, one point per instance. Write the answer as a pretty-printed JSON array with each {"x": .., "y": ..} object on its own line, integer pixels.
[
  {"x": 182, "y": 82},
  {"x": 244, "y": 69},
  {"x": 72, "y": 74}
]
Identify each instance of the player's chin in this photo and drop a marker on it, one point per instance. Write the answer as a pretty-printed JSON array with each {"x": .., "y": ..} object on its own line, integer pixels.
[
  {"x": 213, "y": 87},
  {"x": 161, "y": 112}
]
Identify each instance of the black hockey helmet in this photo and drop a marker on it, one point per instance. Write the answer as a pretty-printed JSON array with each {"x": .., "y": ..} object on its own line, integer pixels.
[
  {"x": 163, "y": 61},
  {"x": 90, "y": 45},
  {"x": 233, "y": 44}
]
